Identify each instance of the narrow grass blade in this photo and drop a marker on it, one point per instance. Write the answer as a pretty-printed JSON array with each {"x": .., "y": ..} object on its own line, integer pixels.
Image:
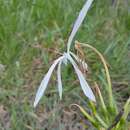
[
  {"x": 101, "y": 121},
  {"x": 126, "y": 109},
  {"x": 86, "y": 114},
  {"x": 101, "y": 98}
]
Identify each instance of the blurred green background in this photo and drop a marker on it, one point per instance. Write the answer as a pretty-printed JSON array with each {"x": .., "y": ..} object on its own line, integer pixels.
[{"x": 31, "y": 34}]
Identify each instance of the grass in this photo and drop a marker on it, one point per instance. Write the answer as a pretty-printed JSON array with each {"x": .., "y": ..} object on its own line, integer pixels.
[
  {"x": 30, "y": 31},
  {"x": 105, "y": 116}
]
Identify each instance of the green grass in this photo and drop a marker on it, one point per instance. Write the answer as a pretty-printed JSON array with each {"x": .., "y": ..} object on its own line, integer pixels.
[{"x": 26, "y": 24}]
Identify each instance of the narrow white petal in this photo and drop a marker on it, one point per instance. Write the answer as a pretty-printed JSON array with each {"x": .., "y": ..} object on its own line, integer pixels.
[
  {"x": 45, "y": 81},
  {"x": 59, "y": 79},
  {"x": 84, "y": 64},
  {"x": 76, "y": 58},
  {"x": 84, "y": 85},
  {"x": 78, "y": 22}
]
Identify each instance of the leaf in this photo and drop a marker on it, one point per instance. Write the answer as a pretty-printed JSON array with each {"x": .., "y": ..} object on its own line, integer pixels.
[
  {"x": 86, "y": 114},
  {"x": 78, "y": 22},
  {"x": 84, "y": 85},
  {"x": 59, "y": 79},
  {"x": 45, "y": 81}
]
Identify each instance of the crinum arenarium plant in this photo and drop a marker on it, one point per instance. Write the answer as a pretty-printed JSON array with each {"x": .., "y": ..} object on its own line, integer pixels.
[{"x": 65, "y": 58}]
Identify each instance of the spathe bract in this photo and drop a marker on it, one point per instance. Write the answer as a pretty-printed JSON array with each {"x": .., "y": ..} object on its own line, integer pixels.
[{"x": 68, "y": 57}]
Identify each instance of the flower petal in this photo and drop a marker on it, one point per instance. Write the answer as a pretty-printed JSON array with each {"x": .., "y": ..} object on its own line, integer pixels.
[
  {"x": 84, "y": 85},
  {"x": 45, "y": 81},
  {"x": 78, "y": 22},
  {"x": 59, "y": 79},
  {"x": 84, "y": 64}
]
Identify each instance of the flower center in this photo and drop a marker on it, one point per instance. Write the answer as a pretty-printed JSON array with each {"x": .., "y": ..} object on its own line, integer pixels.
[{"x": 65, "y": 59}]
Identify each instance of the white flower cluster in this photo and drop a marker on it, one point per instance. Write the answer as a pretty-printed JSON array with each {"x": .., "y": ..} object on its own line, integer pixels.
[{"x": 68, "y": 57}]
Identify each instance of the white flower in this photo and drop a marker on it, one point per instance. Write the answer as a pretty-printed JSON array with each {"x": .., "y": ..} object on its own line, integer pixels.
[{"x": 68, "y": 57}]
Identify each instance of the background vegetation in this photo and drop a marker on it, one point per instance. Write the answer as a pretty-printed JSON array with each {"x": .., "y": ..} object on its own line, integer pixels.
[{"x": 31, "y": 34}]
